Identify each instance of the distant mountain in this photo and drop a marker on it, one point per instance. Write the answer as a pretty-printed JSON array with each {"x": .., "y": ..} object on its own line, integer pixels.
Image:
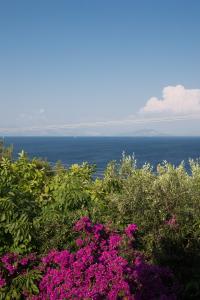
[{"x": 145, "y": 133}]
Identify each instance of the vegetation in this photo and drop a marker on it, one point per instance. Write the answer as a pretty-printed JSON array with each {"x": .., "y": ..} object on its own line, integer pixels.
[
  {"x": 39, "y": 206},
  {"x": 96, "y": 270}
]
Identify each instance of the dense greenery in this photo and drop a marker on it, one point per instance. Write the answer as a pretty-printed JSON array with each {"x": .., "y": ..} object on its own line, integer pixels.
[{"x": 39, "y": 205}]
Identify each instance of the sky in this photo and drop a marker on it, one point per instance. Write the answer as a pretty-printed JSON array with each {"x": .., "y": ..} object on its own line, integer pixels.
[{"x": 106, "y": 67}]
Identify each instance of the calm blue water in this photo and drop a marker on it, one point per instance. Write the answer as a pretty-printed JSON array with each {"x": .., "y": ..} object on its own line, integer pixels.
[{"x": 101, "y": 150}]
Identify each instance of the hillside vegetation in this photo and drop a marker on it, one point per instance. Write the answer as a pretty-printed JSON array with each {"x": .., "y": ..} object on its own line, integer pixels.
[{"x": 40, "y": 204}]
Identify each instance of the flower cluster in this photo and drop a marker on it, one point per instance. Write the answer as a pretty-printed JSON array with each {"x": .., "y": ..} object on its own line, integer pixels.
[
  {"x": 98, "y": 270},
  {"x": 12, "y": 262},
  {"x": 130, "y": 230},
  {"x": 172, "y": 222},
  {"x": 2, "y": 281}
]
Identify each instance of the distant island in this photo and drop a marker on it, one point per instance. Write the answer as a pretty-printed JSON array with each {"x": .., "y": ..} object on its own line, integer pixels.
[{"x": 145, "y": 133}]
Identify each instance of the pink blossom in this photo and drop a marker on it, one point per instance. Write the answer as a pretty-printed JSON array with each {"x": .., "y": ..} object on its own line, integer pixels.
[
  {"x": 172, "y": 222},
  {"x": 130, "y": 230},
  {"x": 2, "y": 282},
  {"x": 97, "y": 270},
  {"x": 79, "y": 242}
]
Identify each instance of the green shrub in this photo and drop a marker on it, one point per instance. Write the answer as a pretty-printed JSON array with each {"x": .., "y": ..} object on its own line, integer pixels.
[{"x": 39, "y": 204}]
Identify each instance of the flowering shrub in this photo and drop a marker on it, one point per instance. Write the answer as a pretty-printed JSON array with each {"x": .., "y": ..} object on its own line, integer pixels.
[
  {"x": 39, "y": 205},
  {"x": 97, "y": 270}
]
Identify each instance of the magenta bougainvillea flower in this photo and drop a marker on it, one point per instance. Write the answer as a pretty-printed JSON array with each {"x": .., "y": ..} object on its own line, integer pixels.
[
  {"x": 130, "y": 230},
  {"x": 2, "y": 281},
  {"x": 98, "y": 269}
]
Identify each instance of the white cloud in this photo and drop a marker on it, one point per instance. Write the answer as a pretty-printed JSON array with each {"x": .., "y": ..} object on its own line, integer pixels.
[
  {"x": 177, "y": 105},
  {"x": 176, "y": 100}
]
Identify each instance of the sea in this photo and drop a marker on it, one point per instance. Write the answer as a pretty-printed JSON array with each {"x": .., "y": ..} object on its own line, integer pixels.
[{"x": 101, "y": 150}]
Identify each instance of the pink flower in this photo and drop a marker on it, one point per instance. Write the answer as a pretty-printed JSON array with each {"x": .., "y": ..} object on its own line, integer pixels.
[
  {"x": 79, "y": 242},
  {"x": 114, "y": 241},
  {"x": 97, "y": 270},
  {"x": 172, "y": 222},
  {"x": 24, "y": 261},
  {"x": 84, "y": 224},
  {"x": 2, "y": 282},
  {"x": 10, "y": 262},
  {"x": 130, "y": 230}
]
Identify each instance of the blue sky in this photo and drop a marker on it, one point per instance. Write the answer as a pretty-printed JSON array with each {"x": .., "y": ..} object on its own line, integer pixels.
[{"x": 91, "y": 67}]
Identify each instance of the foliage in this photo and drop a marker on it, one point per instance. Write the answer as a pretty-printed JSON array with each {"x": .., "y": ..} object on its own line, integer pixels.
[
  {"x": 18, "y": 276},
  {"x": 5, "y": 151},
  {"x": 21, "y": 187},
  {"x": 39, "y": 205},
  {"x": 166, "y": 206}
]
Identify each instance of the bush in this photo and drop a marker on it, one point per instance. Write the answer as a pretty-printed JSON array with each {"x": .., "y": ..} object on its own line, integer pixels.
[
  {"x": 98, "y": 269},
  {"x": 166, "y": 206},
  {"x": 39, "y": 205}
]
